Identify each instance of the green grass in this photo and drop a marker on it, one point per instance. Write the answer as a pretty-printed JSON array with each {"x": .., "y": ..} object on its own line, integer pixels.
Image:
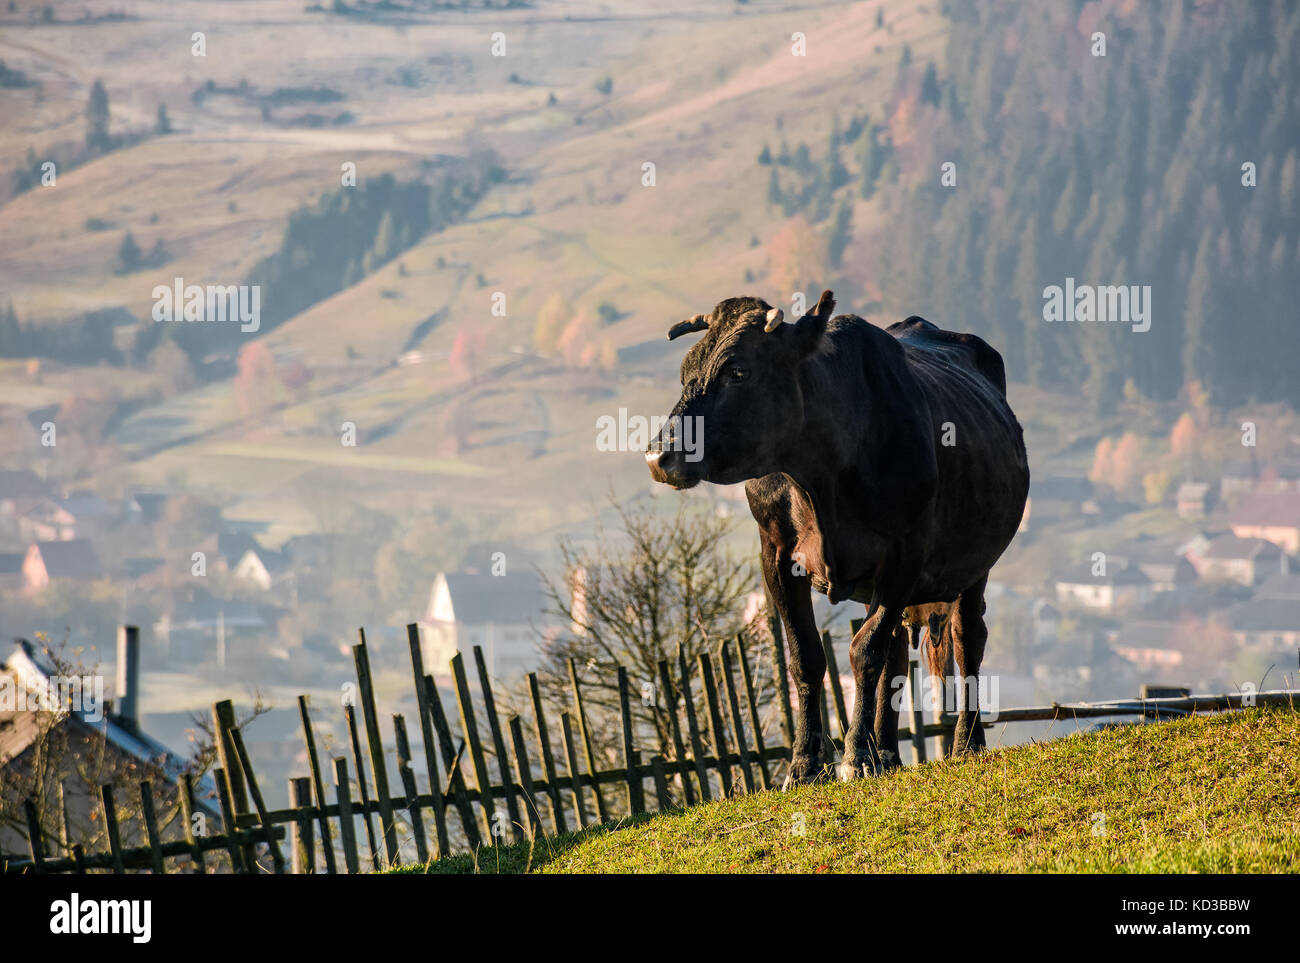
[{"x": 1203, "y": 794}]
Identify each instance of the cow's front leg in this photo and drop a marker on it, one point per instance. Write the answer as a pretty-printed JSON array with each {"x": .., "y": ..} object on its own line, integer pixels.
[
  {"x": 791, "y": 595},
  {"x": 874, "y": 647}
]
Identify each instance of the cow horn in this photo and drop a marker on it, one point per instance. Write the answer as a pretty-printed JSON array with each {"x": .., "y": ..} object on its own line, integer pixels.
[
  {"x": 697, "y": 323},
  {"x": 774, "y": 318}
]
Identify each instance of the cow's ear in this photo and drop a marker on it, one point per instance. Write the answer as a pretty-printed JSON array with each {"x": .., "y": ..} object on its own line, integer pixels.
[{"x": 809, "y": 330}]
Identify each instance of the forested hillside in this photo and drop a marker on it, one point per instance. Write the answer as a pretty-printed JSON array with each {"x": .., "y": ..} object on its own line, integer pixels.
[{"x": 1125, "y": 168}]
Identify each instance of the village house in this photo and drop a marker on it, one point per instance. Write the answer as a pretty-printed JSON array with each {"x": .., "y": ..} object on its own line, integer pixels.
[
  {"x": 1230, "y": 558},
  {"x": 83, "y": 740},
  {"x": 505, "y": 614},
  {"x": 1120, "y": 587},
  {"x": 1271, "y": 515},
  {"x": 263, "y": 567},
  {"x": 48, "y": 561},
  {"x": 1193, "y": 500},
  {"x": 1148, "y": 644},
  {"x": 44, "y": 520},
  {"x": 17, "y": 485},
  {"x": 1161, "y": 560}
]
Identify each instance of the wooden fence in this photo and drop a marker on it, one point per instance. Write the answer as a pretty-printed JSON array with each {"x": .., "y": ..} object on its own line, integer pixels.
[{"x": 722, "y": 749}]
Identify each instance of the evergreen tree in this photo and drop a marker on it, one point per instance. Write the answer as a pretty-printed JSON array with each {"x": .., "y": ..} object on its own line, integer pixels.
[
  {"x": 841, "y": 234},
  {"x": 930, "y": 92},
  {"x": 97, "y": 115},
  {"x": 129, "y": 256}
]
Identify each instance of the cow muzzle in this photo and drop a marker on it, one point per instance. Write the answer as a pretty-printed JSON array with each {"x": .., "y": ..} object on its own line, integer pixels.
[{"x": 671, "y": 468}]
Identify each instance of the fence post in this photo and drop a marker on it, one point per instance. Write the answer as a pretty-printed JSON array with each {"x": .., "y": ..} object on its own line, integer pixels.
[
  {"x": 470, "y": 727},
  {"x": 837, "y": 690},
  {"x": 223, "y": 720},
  {"x": 455, "y": 780},
  {"x": 409, "y": 787},
  {"x": 151, "y": 828},
  {"x": 34, "y": 840},
  {"x": 347, "y": 831},
  {"x": 110, "y": 824},
  {"x": 302, "y": 848},
  {"x": 525, "y": 776},
  {"x": 575, "y": 777},
  {"x": 675, "y": 728},
  {"x": 318, "y": 785},
  {"x": 914, "y": 696},
  {"x": 548, "y": 757},
  {"x": 750, "y": 700},
  {"x": 426, "y": 735},
  {"x": 358, "y": 760},
  {"x": 188, "y": 806},
  {"x": 737, "y": 723},
  {"x": 498, "y": 744},
  {"x": 277, "y": 858},
  {"x": 693, "y": 727},
  {"x": 361, "y": 656},
  {"x": 661, "y": 783},
  {"x": 634, "y": 787},
  {"x": 239, "y": 859},
  {"x": 716, "y": 728},
  {"x": 601, "y": 812}
]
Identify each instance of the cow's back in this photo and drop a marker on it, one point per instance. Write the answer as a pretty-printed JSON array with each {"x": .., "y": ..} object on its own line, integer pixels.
[{"x": 979, "y": 446}]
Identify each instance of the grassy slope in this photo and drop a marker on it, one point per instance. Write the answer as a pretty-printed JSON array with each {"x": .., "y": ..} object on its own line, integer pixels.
[{"x": 1207, "y": 794}]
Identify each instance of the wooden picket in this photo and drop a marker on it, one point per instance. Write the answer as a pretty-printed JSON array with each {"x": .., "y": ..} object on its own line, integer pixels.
[{"x": 251, "y": 834}]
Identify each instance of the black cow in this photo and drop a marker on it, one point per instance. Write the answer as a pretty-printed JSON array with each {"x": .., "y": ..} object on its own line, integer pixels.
[{"x": 883, "y": 466}]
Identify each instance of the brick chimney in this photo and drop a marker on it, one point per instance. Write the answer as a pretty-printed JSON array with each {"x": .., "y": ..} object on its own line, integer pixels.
[{"x": 127, "y": 685}]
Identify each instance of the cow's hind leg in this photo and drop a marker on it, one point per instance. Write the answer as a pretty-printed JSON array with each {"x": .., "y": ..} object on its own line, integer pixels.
[
  {"x": 969, "y": 635},
  {"x": 889, "y": 690}
]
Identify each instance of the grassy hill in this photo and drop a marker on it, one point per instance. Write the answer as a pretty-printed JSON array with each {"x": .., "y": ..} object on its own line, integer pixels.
[{"x": 1202, "y": 794}]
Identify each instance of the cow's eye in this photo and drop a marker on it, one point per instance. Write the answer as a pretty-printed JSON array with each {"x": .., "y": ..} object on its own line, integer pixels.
[{"x": 737, "y": 374}]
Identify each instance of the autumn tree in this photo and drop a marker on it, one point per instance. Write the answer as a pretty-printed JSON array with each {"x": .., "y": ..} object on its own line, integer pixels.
[
  {"x": 797, "y": 255},
  {"x": 1126, "y": 463},
  {"x": 551, "y": 321},
  {"x": 1100, "y": 473}
]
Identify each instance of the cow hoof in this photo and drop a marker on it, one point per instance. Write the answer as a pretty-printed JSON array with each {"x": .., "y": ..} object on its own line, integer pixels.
[
  {"x": 848, "y": 771},
  {"x": 803, "y": 771}
]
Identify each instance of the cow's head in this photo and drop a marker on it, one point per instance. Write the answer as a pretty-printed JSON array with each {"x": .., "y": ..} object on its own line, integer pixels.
[{"x": 740, "y": 402}]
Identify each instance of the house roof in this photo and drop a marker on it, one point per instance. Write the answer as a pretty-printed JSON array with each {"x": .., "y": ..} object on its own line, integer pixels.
[
  {"x": 1231, "y": 547},
  {"x": 1266, "y": 615},
  {"x": 11, "y": 563},
  {"x": 150, "y": 503},
  {"x": 1269, "y": 509},
  {"x": 31, "y": 671},
  {"x": 232, "y": 546},
  {"x": 503, "y": 599},
  {"x": 1279, "y": 587},
  {"x": 71, "y": 559},
  {"x": 21, "y": 483}
]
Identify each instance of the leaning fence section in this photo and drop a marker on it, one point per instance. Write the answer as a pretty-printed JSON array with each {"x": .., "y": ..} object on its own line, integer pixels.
[{"x": 541, "y": 779}]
